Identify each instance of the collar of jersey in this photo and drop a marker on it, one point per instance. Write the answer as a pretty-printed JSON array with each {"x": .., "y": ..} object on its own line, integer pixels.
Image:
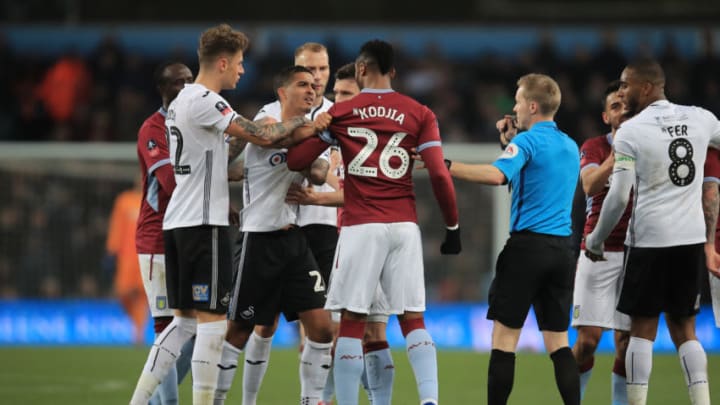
[
  {"x": 377, "y": 91},
  {"x": 544, "y": 124},
  {"x": 609, "y": 138},
  {"x": 659, "y": 103},
  {"x": 163, "y": 111}
]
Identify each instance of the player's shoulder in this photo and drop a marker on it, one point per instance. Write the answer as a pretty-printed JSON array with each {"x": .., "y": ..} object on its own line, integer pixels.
[
  {"x": 272, "y": 110},
  {"x": 596, "y": 142},
  {"x": 153, "y": 125}
]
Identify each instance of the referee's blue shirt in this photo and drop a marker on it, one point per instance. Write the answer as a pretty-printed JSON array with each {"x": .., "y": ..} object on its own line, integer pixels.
[{"x": 542, "y": 166}]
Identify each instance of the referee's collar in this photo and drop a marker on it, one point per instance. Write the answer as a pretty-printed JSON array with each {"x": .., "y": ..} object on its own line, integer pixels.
[{"x": 544, "y": 125}]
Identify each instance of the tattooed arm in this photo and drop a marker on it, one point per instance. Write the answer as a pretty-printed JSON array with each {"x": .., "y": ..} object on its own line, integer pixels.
[
  {"x": 711, "y": 204},
  {"x": 242, "y": 129}
]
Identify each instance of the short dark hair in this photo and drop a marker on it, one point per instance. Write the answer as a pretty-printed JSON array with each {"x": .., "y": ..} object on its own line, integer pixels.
[
  {"x": 346, "y": 72},
  {"x": 218, "y": 40},
  {"x": 611, "y": 88},
  {"x": 379, "y": 53},
  {"x": 284, "y": 77},
  {"x": 159, "y": 77},
  {"x": 648, "y": 70}
]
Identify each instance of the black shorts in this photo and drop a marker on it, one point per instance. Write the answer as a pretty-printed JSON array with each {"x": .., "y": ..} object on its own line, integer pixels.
[
  {"x": 538, "y": 270},
  {"x": 666, "y": 279},
  {"x": 198, "y": 268},
  {"x": 323, "y": 241},
  {"x": 277, "y": 273}
]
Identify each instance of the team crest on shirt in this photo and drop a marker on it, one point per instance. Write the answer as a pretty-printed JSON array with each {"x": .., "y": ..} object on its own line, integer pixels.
[
  {"x": 161, "y": 302},
  {"x": 223, "y": 108},
  {"x": 152, "y": 148},
  {"x": 510, "y": 152},
  {"x": 576, "y": 312},
  {"x": 277, "y": 158},
  {"x": 201, "y": 292}
]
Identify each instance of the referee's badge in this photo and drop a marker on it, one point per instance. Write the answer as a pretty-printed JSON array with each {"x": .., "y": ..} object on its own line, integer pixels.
[{"x": 510, "y": 152}]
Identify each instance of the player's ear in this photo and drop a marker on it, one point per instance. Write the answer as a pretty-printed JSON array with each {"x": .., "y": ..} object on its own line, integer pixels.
[
  {"x": 222, "y": 63},
  {"x": 605, "y": 118},
  {"x": 281, "y": 93}
]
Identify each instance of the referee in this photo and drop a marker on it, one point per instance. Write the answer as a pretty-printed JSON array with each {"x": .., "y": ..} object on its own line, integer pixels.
[{"x": 537, "y": 264}]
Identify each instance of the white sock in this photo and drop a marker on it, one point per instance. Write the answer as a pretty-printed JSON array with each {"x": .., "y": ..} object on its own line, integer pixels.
[
  {"x": 205, "y": 360},
  {"x": 228, "y": 367},
  {"x": 165, "y": 350},
  {"x": 693, "y": 361},
  {"x": 584, "y": 379},
  {"x": 619, "y": 390},
  {"x": 348, "y": 366},
  {"x": 315, "y": 364},
  {"x": 638, "y": 365},
  {"x": 257, "y": 355},
  {"x": 329, "y": 390},
  {"x": 423, "y": 360},
  {"x": 380, "y": 375}
]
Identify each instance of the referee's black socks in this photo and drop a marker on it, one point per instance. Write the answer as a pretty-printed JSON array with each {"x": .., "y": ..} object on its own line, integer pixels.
[
  {"x": 501, "y": 373},
  {"x": 567, "y": 376}
]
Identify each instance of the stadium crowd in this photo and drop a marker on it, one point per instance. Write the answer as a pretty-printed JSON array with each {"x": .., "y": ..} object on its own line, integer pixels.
[{"x": 106, "y": 94}]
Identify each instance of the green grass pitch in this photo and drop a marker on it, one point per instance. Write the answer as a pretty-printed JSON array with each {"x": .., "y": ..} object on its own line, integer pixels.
[{"x": 105, "y": 375}]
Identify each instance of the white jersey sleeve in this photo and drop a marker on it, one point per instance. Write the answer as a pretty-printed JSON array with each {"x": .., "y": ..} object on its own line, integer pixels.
[
  {"x": 315, "y": 214},
  {"x": 212, "y": 111}
]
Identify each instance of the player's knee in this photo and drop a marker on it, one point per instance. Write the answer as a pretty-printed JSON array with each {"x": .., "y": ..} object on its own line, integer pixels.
[
  {"x": 588, "y": 340},
  {"x": 238, "y": 333}
]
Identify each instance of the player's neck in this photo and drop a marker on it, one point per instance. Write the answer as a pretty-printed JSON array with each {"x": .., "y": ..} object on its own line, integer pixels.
[
  {"x": 378, "y": 83},
  {"x": 653, "y": 99},
  {"x": 212, "y": 82},
  {"x": 318, "y": 101},
  {"x": 289, "y": 113}
]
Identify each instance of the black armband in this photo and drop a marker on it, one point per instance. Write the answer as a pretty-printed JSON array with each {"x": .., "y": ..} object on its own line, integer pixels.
[{"x": 448, "y": 163}]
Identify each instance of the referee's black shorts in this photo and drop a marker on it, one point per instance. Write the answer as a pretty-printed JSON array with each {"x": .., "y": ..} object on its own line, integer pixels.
[
  {"x": 533, "y": 269},
  {"x": 666, "y": 279}
]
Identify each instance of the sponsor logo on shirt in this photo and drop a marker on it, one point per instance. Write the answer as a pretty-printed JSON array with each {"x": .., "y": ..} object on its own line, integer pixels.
[
  {"x": 277, "y": 158},
  {"x": 201, "y": 292},
  {"x": 510, "y": 152},
  {"x": 223, "y": 108}
]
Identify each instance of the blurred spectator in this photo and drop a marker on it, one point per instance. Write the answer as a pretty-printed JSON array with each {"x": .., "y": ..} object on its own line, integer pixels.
[
  {"x": 123, "y": 257},
  {"x": 65, "y": 88}
]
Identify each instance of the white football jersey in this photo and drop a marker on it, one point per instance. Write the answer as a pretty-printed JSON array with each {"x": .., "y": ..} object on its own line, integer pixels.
[
  {"x": 196, "y": 122},
  {"x": 669, "y": 143},
  {"x": 267, "y": 180},
  {"x": 317, "y": 214}
]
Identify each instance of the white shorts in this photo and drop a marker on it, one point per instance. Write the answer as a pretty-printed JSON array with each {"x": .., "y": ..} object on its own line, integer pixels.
[
  {"x": 715, "y": 294},
  {"x": 597, "y": 290},
  {"x": 378, "y": 257},
  {"x": 152, "y": 268}
]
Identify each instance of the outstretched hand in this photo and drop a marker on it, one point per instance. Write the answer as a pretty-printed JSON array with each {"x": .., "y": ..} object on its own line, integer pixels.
[
  {"x": 594, "y": 249},
  {"x": 298, "y": 194},
  {"x": 452, "y": 244},
  {"x": 322, "y": 121},
  {"x": 414, "y": 155},
  {"x": 712, "y": 259}
]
